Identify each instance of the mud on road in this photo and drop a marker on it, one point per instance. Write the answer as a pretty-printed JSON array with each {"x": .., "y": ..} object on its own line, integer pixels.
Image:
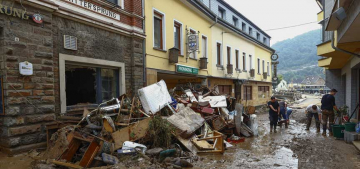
[{"x": 288, "y": 148}]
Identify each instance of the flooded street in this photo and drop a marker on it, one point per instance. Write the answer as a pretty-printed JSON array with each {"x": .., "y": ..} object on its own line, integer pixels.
[{"x": 293, "y": 147}]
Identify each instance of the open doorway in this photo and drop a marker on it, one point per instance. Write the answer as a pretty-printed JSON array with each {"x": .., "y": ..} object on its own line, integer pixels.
[{"x": 80, "y": 85}]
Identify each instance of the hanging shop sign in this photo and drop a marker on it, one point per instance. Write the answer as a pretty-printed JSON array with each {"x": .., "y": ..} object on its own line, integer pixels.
[
  {"x": 95, "y": 8},
  {"x": 186, "y": 69},
  {"x": 15, "y": 12},
  {"x": 193, "y": 42}
]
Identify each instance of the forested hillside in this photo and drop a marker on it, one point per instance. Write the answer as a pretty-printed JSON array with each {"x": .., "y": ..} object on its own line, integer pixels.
[{"x": 297, "y": 56}]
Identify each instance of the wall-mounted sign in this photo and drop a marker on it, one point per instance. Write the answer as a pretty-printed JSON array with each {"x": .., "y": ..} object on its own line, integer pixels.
[
  {"x": 186, "y": 69},
  {"x": 15, "y": 12},
  {"x": 25, "y": 68},
  {"x": 37, "y": 18},
  {"x": 193, "y": 42},
  {"x": 94, "y": 7}
]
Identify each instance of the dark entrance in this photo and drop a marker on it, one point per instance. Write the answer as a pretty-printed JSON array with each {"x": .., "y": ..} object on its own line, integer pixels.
[{"x": 80, "y": 85}]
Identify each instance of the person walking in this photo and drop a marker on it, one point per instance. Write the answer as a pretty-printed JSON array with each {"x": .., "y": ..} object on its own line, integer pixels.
[
  {"x": 327, "y": 106},
  {"x": 274, "y": 111},
  {"x": 313, "y": 111}
]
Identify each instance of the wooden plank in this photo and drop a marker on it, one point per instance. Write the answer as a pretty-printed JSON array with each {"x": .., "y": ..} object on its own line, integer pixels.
[
  {"x": 72, "y": 148},
  {"x": 188, "y": 144},
  {"x": 132, "y": 108},
  {"x": 131, "y": 133},
  {"x": 107, "y": 126},
  {"x": 202, "y": 144},
  {"x": 89, "y": 154},
  {"x": 66, "y": 164}
]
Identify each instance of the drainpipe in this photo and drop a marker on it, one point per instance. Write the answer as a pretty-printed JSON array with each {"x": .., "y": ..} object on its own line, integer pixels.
[
  {"x": 338, "y": 49},
  {"x": 144, "y": 47}
]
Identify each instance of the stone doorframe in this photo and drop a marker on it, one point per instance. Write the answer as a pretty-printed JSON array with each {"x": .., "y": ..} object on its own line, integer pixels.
[{"x": 90, "y": 61}]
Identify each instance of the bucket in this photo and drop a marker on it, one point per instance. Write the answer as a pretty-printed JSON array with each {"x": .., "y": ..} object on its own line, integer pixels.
[
  {"x": 338, "y": 131},
  {"x": 350, "y": 126}
]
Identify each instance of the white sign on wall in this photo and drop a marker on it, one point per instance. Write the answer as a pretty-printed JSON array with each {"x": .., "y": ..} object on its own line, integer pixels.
[
  {"x": 96, "y": 8},
  {"x": 25, "y": 68}
]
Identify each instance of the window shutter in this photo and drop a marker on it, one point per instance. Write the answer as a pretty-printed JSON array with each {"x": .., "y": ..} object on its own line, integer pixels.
[{"x": 70, "y": 42}]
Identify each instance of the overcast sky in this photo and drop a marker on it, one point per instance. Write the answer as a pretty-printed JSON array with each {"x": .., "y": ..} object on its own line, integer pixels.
[{"x": 270, "y": 14}]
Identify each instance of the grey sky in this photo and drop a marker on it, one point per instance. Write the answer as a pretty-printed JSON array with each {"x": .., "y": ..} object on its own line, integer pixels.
[{"x": 269, "y": 14}]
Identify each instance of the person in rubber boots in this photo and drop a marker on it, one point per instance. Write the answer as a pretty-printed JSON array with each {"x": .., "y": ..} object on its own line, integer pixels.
[
  {"x": 313, "y": 111},
  {"x": 274, "y": 112}
]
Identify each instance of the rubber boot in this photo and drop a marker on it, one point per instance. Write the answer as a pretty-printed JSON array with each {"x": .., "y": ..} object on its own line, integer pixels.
[
  {"x": 324, "y": 133},
  {"x": 274, "y": 128},
  {"x": 318, "y": 130},
  {"x": 331, "y": 134},
  {"x": 271, "y": 128}
]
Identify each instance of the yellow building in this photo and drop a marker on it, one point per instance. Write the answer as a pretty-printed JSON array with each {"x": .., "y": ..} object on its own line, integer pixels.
[
  {"x": 168, "y": 25},
  {"x": 340, "y": 48},
  {"x": 229, "y": 47}
]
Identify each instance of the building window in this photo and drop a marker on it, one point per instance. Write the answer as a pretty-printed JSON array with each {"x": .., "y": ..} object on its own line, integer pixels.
[
  {"x": 228, "y": 55},
  {"x": 243, "y": 27},
  {"x": 250, "y": 61},
  {"x": 235, "y": 21},
  {"x": 193, "y": 54},
  {"x": 237, "y": 59},
  {"x": 244, "y": 61},
  {"x": 268, "y": 68},
  {"x": 250, "y": 31},
  {"x": 109, "y": 78},
  {"x": 225, "y": 89},
  {"x": 263, "y": 66},
  {"x": 248, "y": 92},
  {"x": 218, "y": 51},
  {"x": 113, "y": 1},
  {"x": 221, "y": 13},
  {"x": 204, "y": 46},
  {"x": 263, "y": 92},
  {"x": 258, "y": 36},
  {"x": 177, "y": 36},
  {"x": 258, "y": 65},
  {"x": 264, "y": 40},
  {"x": 158, "y": 30}
]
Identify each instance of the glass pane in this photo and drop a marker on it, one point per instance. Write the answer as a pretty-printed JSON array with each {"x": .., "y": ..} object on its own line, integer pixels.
[
  {"x": 157, "y": 32},
  {"x": 108, "y": 84},
  {"x": 177, "y": 37}
]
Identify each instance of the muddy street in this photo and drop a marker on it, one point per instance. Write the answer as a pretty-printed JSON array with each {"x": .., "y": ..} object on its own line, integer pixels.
[{"x": 293, "y": 147}]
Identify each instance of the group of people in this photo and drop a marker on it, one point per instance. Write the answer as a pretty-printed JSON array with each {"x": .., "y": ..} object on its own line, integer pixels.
[{"x": 280, "y": 110}]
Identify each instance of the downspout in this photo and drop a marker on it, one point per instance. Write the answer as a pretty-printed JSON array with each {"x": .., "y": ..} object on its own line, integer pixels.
[{"x": 338, "y": 49}]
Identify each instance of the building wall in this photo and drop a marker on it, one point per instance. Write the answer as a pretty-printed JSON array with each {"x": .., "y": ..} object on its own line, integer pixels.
[
  {"x": 256, "y": 101},
  {"x": 236, "y": 42},
  {"x": 158, "y": 59},
  {"x": 334, "y": 81},
  {"x": 216, "y": 81}
]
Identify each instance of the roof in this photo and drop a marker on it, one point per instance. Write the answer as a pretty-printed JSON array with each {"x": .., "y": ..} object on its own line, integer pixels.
[
  {"x": 242, "y": 16},
  {"x": 313, "y": 80}
]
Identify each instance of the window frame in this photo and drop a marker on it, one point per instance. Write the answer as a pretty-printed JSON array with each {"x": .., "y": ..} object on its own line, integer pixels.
[
  {"x": 228, "y": 55},
  {"x": 237, "y": 60},
  {"x": 247, "y": 95},
  {"x": 263, "y": 66},
  {"x": 235, "y": 21},
  {"x": 258, "y": 36},
  {"x": 264, "y": 40},
  {"x": 258, "y": 65},
  {"x": 268, "y": 68},
  {"x": 244, "y": 61},
  {"x": 176, "y": 22},
  {"x": 160, "y": 15},
  {"x": 250, "y": 62},
  {"x": 219, "y": 53},
  {"x": 243, "y": 26},
  {"x": 250, "y": 30},
  {"x": 222, "y": 12},
  {"x": 206, "y": 45}
]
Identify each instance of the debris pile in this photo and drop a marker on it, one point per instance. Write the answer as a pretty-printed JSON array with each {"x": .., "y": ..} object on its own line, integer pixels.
[{"x": 163, "y": 128}]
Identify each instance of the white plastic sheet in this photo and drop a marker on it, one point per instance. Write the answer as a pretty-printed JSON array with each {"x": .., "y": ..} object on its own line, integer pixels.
[
  {"x": 215, "y": 101},
  {"x": 187, "y": 120},
  {"x": 154, "y": 97},
  {"x": 191, "y": 95},
  {"x": 254, "y": 124}
]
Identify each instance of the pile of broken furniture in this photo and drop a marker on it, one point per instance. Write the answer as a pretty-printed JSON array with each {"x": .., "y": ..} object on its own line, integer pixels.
[{"x": 201, "y": 120}]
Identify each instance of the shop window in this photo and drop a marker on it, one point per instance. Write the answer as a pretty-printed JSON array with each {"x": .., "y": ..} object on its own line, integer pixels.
[
  {"x": 225, "y": 89},
  {"x": 247, "y": 92},
  {"x": 85, "y": 84},
  {"x": 158, "y": 30},
  {"x": 263, "y": 92}
]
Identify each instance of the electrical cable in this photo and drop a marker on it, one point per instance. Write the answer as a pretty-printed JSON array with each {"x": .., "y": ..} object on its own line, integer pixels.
[{"x": 291, "y": 26}]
